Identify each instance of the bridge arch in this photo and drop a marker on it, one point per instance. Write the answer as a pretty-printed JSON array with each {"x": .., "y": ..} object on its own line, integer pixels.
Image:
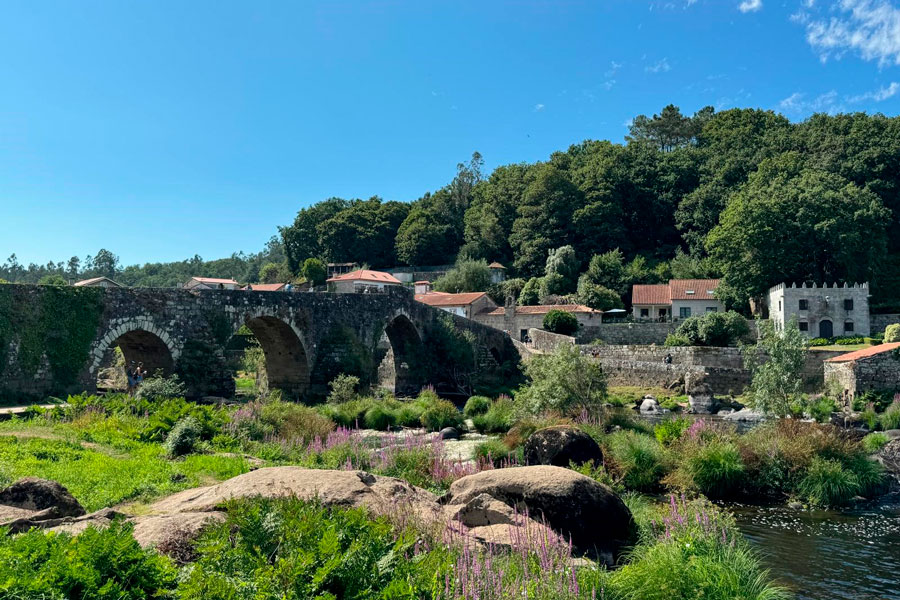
[
  {"x": 399, "y": 350},
  {"x": 285, "y": 349},
  {"x": 141, "y": 340}
]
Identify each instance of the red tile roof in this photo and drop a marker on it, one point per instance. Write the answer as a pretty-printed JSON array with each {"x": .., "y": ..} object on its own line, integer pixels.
[
  {"x": 496, "y": 265},
  {"x": 214, "y": 280},
  {"x": 442, "y": 299},
  {"x": 266, "y": 287},
  {"x": 701, "y": 289},
  {"x": 650, "y": 294},
  {"x": 545, "y": 308},
  {"x": 864, "y": 353},
  {"x": 366, "y": 275}
]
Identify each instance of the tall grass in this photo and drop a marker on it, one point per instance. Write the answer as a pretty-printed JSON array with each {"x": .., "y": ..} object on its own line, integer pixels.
[{"x": 637, "y": 459}]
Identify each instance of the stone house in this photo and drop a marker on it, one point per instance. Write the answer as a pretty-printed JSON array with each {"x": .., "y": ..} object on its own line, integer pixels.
[
  {"x": 465, "y": 304},
  {"x": 517, "y": 320},
  {"x": 821, "y": 311},
  {"x": 361, "y": 280},
  {"x": 211, "y": 283},
  {"x": 876, "y": 368},
  {"x": 498, "y": 272},
  {"x": 104, "y": 282},
  {"x": 677, "y": 299}
]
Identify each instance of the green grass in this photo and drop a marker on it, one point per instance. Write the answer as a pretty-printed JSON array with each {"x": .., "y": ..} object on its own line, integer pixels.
[{"x": 842, "y": 348}]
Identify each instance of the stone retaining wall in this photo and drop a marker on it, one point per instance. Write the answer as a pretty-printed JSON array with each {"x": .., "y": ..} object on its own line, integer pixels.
[
  {"x": 638, "y": 333},
  {"x": 545, "y": 341},
  {"x": 879, "y": 322}
]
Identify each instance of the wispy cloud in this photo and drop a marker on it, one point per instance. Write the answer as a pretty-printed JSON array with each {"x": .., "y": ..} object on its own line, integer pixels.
[
  {"x": 878, "y": 95},
  {"x": 659, "y": 67},
  {"x": 750, "y": 6},
  {"x": 538, "y": 107},
  {"x": 797, "y": 103},
  {"x": 870, "y": 28}
]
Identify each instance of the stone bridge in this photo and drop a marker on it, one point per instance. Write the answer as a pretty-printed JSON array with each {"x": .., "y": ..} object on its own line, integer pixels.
[{"x": 54, "y": 340}]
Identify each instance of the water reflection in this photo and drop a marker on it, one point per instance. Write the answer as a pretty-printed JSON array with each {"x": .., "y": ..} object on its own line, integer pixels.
[{"x": 826, "y": 555}]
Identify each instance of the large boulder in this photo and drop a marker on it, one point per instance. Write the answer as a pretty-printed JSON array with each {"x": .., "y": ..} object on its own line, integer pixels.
[
  {"x": 581, "y": 509},
  {"x": 561, "y": 445},
  {"x": 33, "y": 502},
  {"x": 889, "y": 456},
  {"x": 650, "y": 406}
]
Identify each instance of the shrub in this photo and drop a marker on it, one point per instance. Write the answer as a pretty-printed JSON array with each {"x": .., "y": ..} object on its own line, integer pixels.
[
  {"x": 409, "y": 414},
  {"x": 870, "y": 417},
  {"x": 711, "y": 329},
  {"x": 874, "y": 442},
  {"x": 674, "y": 339},
  {"x": 821, "y": 409},
  {"x": 476, "y": 405},
  {"x": 671, "y": 430},
  {"x": 714, "y": 468},
  {"x": 638, "y": 459},
  {"x": 498, "y": 418},
  {"x": 563, "y": 381},
  {"x": 828, "y": 483},
  {"x": 892, "y": 333},
  {"x": 890, "y": 419},
  {"x": 287, "y": 420},
  {"x": 440, "y": 414},
  {"x": 492, "y": 451},
  {"x": 159, "y": 388},
  {"x": 561, "y": 322},
  {"x": 819, "y": 341},
  {"x": 183, "y": 437},
  {"x": 343, "y": 388},
  {"x": 849, "y": 341},
  {"x": 380, "y": 417}
]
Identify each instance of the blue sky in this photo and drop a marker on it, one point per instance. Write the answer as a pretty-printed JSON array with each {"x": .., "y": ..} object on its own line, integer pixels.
[{"x": 168, "y": 128}]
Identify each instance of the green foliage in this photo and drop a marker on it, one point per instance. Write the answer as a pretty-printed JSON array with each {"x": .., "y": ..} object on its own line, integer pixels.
[
  {"x": 892, "y": 333},
  {"x": 476, "y": 405},
  {"x": 275, "y": 273},
  {"x": 637, "y": 460},
  {"x": 101, "y": 564},
  {"x": 260, "y": 420},
  {"x": 183, "y": 437},
  {"x": 819, "y": 342},
  {"x": 715, "y": 469},
  {"x": 531, "y": 292},
  {"x": 563, "y": 381},
  {"x": 343, "y": 389},
  {"x": 439, "y": 414},
  {"x": 596, "y": 296},
  {"x": 560, "y": 321},
  {"x": 465, "y": 276},
  {"x": 821, "y": 409},
  {"x": 52, "y": 280},
  {"x": 564, "y": 265},
  {"x": 874, "y": 442},
  {"x": 776, "y": 382},
  {"x": 890, "y": 419},
  {"x": 154, "y": 389},
  {"x": 498, "y": 418},
  {"x": 314, "y": 271},
  {"x": 710, "y": 329},
  {"x": 380, "y": 418},
  {"x": 671, "y": 430},
  {"x": 492, "y": 452},
  {"x": 828, "y": 483}
]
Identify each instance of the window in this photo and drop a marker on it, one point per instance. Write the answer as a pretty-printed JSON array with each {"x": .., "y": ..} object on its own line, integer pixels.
[
  {"x": 779, "y": 306},
  {"x": 690, "y": 292},
  {"x": 645, "y": 312},
  {"x": 803, "y": 325},
  {"x": 712, "y": 309},
  {"x": 848, "y": 304},
  {"x": 848, "y": 326},
  {"x": 804, "y": 304},
  {"x": 684, "y": 312}
]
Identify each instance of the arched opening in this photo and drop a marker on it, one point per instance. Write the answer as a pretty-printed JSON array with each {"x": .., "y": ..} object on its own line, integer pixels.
[
  {"x": 826, "y": 329},
  {"x": 286, "y": 362},
  {"x": 495, "y": 354},
  {"x": 136, "y": 347},
  {"x": 397, "y": 354}
]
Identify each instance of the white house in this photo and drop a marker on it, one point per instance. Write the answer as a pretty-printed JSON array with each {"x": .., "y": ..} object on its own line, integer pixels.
[
  {"x": 211, "y": 283},
  {"x": 104, "y": 282},
  {"x": 678, "y": 299},
  {"x": 465, "y": 305},
  {"x": 821, "y": 311},
  {"x": 361, "y": 280}
]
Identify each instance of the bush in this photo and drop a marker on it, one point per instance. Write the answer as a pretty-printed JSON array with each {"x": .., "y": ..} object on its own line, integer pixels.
[
  {"x": 671, "y": 430},
  {"x": 183, "y": 437},
  {"x": 874, "y": 442},
  {"x": 561, "y": 322},
  {"x": 849, "y": 341},
  {"x": 892, "y": 333},
  {"x": 563, "y": 381},
  {"x": 819, "y": 341},
  {"x": 440, "y": 414},
  {"x": 715, "y": 468},
  {"x": 711, "y": 329},
  {"x": 259, "y": 420},
  {"x": 409, "y": 414},
  {"x": 380, "y": 417},
  {"x": 674, "y": 339},
  {"x": 498, "y": 419},
  {"x": 828, "y": 483},
  {"x": 821, "y": 409},
  {"x": 637, "y": 460},
  {"x": 890, "y": 419},
  {"x": 476, "y": 405},
  {"x": 101, "y": 564},
  {"x": 492, "y": 451},
  {"x": 160, "y": 388},
  {"x": 343, "y": 389}
]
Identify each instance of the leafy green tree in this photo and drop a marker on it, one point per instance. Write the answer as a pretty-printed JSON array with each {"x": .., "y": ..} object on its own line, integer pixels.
[
  {"x": 301, "y": 239},
  {"x": 776, "y": 366},
  {"x": 275, "y": 273},
  {"x": 564, "y": 382},
  {"x": 608, "y": 270},
  {"x": 563, "y": 263},
  {"x": 465, "y": 276},
  {"x": 105, "y": 264},
  {"x": 492, "y": 211},
  {"x": 596, "y": 296},
  {"x": 552, "y": 286},
  {"x": 52, "y": 280},
  {"x": 791, "y": 223},
  {"x": 531, "y": 292},
  {"x": 314, "y": 271},
  {"x": 892, "y": 333},
  {"x": 710, "y": 329},
  {"x": 560, "y": 321},
  {"x": 363, "y": 232},
  {"x": 423, "y": 239},
  {"x": 670, "y": 129}
]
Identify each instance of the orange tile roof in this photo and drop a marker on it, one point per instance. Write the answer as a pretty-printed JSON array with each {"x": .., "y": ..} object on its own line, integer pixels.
[
  {"x": 496, "y": 265},
  {"x": 650, "y": 294},
  {"x": 85, "y": 282},
  {"x": 701, "y": 288},
  {"x": 366, "y": 275},
  {"x": 864, "y": 353},
  {"x": 266, "y": 287},
  {"x": 213, "y": 280},
  {"x": 442, "y": 299},
  {"x": 545, "y": 308}
]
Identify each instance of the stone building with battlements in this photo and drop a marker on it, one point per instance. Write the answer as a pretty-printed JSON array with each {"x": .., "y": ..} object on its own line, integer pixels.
[{"x": 821, "y": 311}]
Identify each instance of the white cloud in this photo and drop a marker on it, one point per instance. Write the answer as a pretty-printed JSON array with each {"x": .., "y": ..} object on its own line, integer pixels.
[
  {"x": 797, "y": 103},
  {"x": 659, "y": 67},
  {"x": 750, "y": 6},
  {"x": 538, "y": 107},
  {"x": 870, "y": 28},
  {"x": 878, "y": 95}
]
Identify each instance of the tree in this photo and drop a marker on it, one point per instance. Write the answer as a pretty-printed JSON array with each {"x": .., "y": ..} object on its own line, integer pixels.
[
  {"x": 560, "y": 321},
  {"x": 564, "y": 382},
  {"x": 423, "y": 239},
  {"x": 530, "y": 295},
  {"x": 301, "y": 239},
  {"x": 776, "y": 367},
  {"x": 711, "y": 329},
  {"x": 608, "y": 270},
  {"x": 52, "y": 280},
  {"x": 892, "y": 333},
  {"x": 314, "y": 271},
  {"x": 596, "y": 296},
  {"x": 791, "y": 223},
  {"x": 72, "y": 267},
  {"x": 563, "y": 263},
  {"x": 465, "y": 276},
  {"x": 363, "y": 232},
  {"x": 275, "y": 273},
  {"x": 670, "y": 129},
  {"x": 492, "y": 211},
  {"x": 105, "y": 264}
]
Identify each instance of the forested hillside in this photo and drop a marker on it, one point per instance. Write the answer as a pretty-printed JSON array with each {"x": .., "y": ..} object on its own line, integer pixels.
[{"x": 743, "y": 194}]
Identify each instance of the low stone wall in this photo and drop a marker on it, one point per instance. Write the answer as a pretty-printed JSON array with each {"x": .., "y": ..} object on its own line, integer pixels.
[
  {"x": 880, "y": 372},
  {"x": 879, "y": 322},
  {"x": 724, "y": 367},
  {"x": 638, "y": 333},
  {"x": 545, "y": 341}
]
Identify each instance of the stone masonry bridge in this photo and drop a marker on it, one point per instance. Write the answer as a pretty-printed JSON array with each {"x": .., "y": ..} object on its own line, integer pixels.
[{"x": 54, "y": 340}]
